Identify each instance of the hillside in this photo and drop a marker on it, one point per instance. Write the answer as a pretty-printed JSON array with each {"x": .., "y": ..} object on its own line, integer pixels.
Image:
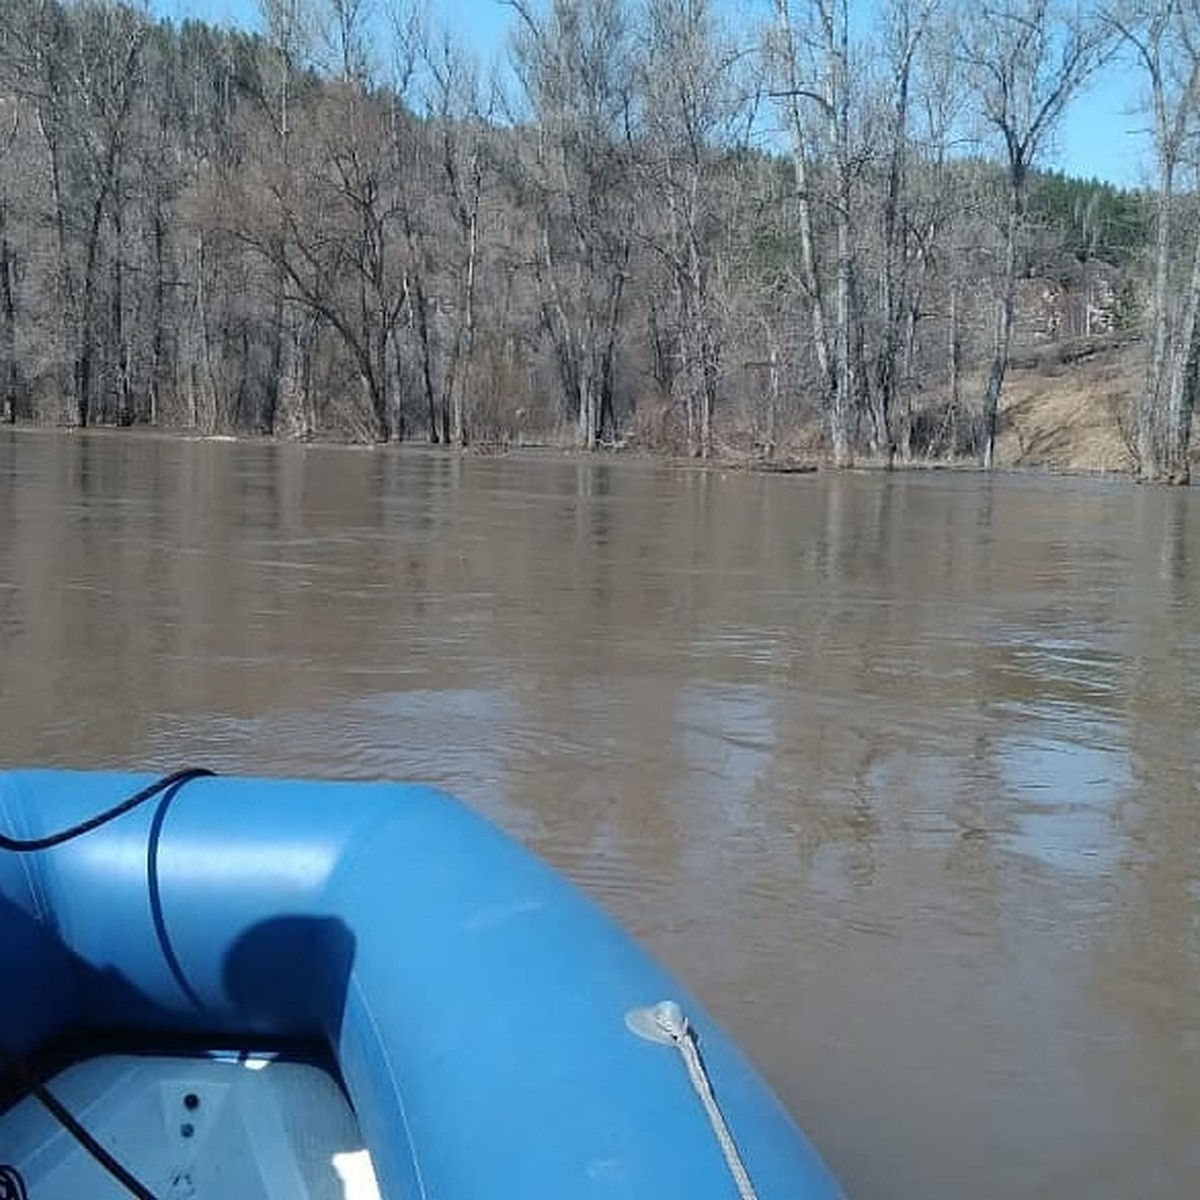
[{"x": 1063, "y": 407}]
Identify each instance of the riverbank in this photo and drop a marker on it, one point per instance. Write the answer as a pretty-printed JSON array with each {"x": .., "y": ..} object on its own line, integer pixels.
[
  {"x": 1065, "y": 407},
  {"x": 1063, "y": 410}
]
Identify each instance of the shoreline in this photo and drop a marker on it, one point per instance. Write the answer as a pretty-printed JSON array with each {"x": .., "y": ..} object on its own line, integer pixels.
[{"x": 547, "y": 449}]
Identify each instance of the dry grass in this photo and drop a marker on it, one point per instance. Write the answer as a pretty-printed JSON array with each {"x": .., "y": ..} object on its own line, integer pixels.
[{"x": 1062, "y": 408}]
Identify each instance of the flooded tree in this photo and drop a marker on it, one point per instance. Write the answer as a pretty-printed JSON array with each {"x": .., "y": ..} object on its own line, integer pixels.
[
  {"x": 1165, "y": 38},
  {"x": 811, "y": 52},
  {"x": 694, "y": 106},
  {"x": 906, "y": 28},
  {"x": 574, "y": 173},
  {"x": 9, "y": 371},
  {"x": 1025, "y": 60}
]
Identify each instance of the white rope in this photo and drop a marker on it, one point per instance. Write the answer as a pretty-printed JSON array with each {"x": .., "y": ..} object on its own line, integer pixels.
[{"x": 665, "y": 1022}]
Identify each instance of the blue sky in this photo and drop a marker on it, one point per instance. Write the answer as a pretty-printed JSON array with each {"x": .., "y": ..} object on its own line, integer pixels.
[{"x": 1102, "y": 136}]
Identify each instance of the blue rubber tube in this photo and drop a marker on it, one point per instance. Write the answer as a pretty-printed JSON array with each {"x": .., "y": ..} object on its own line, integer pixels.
[{"x": 474, "y": 1001}]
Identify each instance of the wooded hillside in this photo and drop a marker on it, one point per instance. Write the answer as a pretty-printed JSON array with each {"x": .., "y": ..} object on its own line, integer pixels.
[{"x": 792, "y": 237}]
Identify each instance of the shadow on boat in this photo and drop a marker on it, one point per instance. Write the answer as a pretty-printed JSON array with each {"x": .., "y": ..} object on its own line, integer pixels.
[{"x": 285, "y": 982}]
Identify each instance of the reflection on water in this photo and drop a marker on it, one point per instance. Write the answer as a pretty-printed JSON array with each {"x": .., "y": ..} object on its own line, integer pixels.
[{"x": 899, "y": 773}]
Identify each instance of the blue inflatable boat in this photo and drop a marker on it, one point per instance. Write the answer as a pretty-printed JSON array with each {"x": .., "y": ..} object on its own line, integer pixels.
[{"x": 237, "y": 987}]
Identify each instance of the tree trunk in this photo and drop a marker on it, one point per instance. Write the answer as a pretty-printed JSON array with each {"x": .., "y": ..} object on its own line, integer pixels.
[
  {"x": 1182, "y": 398},
  {"x": 85, "y": 350},
  {"x": 954, "y": 371},
  {"x": 810, "y": 278},
  {"x": 8, "y": 329},
  {"x": 772, "y": 402},
  {"x": 64, "y": 285},
  {"x": 891, "y": 300},
  {"x": 124, "y": 383},
  {"x": 158, "y": 341},
  {"x": 711, "y": 372},
  {"x": 1004, "y": 320},
  {"x": 272, "y": 393},
  {"x": 204, "y": 383},
  {"x": 420, "y": 312},
  {"x": 466, "y": 339},
  {"x": 706, "y": 366},
  {"x": 1148, "y": 422},
  {"x": 841, "y": 411},
  {"x": 445, "y": 411},
  {"x": 589, "y": 386},
  {"x": 605, "y": 414}
]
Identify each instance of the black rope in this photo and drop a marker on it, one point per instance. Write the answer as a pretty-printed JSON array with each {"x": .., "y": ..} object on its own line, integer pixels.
[
  {"x": 55, "y": 1107},
  {"x": 30, "y": 845},
  {"x": 12, "y": 1186}
]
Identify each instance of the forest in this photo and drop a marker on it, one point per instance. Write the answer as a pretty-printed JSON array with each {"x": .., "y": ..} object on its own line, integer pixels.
[{"x": 803, "y": 235}]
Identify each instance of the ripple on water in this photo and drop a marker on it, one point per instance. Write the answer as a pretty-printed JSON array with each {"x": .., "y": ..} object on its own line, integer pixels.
[{"x": 421, "y": 735}]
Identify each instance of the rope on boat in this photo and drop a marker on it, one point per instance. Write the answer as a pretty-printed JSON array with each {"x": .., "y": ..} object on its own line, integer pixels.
[
  {"x": 12, "y": 1186},
  {"x": 59, "y": 1111},
  {"x": 665, "y": 1023},
  {"x": 31, "y": 845}
]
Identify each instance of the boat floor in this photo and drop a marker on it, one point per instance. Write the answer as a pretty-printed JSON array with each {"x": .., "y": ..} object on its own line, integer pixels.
[{"x": 225, "y": 1127}]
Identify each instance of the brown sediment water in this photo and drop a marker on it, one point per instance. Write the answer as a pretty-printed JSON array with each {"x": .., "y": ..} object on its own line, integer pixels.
[{"x": 900, "y": 774}]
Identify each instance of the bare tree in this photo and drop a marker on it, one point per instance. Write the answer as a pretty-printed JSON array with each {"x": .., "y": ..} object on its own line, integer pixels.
[
  {"x": 289, "y": 36},
  {"x": 342, "y": 30},
  {"x": 694, "y": 108},
  {"x": 940, "y": 204},
  {"x": 36, "y": 39},
  {"x": 9, "y": 372},
  {"x": 813, "y": 81},
  {"x": 1165, "y": 38},
  {"x": 442, "y": 191},
  {"x": 461, "y": 117},
  {"x": 81, "y": 73},
  {"x": 574, "y": 64},
  {"x": 906, "y": 25},
  {"x": 340, "y": 254},
  {"x": 1025, "y": 60}
]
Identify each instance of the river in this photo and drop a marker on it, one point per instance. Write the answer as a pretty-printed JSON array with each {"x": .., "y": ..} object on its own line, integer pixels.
[{"x": 900, "y": 774}]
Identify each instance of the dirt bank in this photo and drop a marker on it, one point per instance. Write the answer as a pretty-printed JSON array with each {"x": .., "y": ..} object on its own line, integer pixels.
[{"x": 1065, "y": 407}]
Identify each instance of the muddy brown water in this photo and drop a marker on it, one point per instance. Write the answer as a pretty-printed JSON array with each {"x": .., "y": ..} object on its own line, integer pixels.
[{"x": 900, "y": 775}]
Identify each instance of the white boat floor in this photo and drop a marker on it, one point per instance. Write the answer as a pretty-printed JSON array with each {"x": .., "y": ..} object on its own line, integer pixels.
[{"x": 211, "y": 1128}]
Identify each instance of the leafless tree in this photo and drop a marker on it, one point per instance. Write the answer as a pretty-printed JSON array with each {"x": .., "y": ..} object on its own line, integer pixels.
[
  {"x": 444, "y": 203},
  {"x": 813, "y": 80},
  {"x": 906, "y": 25},
  {"x": 1165, "y": 38},
  {"x": 9, "y": 371},
  {"x": 289, "y": 36},
  {"x": 574, "y": 63},
  {"x": 694, "y": 105},
  {"x": 1025, "y": 60}
]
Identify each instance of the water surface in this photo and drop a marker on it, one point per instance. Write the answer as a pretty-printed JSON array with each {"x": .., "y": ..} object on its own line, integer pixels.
[{"x": 899, "y": 774}]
